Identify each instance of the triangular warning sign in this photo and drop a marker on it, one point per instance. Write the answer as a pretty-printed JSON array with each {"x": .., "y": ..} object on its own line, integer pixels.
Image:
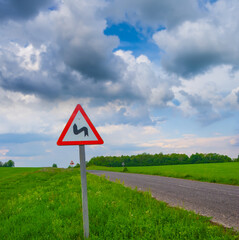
[{"x": 79, "y": 130}]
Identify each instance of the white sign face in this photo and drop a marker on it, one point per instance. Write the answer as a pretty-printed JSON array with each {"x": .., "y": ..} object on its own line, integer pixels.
[{"x": 79, "y": 130}]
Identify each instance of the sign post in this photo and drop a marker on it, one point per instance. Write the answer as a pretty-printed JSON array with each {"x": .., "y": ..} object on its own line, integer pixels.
[
  {"x": 84, "y": 191},
  {"x": 79, "y": 130}
]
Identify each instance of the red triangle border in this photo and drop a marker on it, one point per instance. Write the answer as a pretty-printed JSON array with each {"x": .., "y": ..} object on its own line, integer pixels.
[{"x": 60, "y": 141}]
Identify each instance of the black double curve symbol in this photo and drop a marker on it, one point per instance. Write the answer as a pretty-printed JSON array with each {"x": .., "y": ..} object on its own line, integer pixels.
[{"x": 77, "y": 131}]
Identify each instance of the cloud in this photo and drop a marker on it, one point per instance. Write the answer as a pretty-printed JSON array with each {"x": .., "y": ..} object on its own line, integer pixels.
[
  {"x": 27, "y": 149},
  {"x": 81, "y": 41},
  {"x": 190, "y": 144},
  {"x": 128, "y": 134},
  {"x": 16, "y": 10},
  {"x": 72, "y": 56},
  {"x": 3, "y": 152},
  {"x": 29, "y": 58},
  {"x": 237, "y": 94},
  {"x": 196, "y": 46},
  {"x": 26, "y": 118},
  {"x": 232, "y": 99},
  {"x": 152, "y": 139},
  {"x": 22, "y": 138},
  {"x": 122, "y": 112},
  {"x": 205, "y": 112},
  {"x": 209, "y": 97},
  {"x": 235, "y": 141},
  {"x": 153, "y": 13},
  {"x": 151, "y": 84}
]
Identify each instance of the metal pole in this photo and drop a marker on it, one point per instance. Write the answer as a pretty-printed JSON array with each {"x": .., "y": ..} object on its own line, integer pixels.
[{"x": 84, "y": 191}]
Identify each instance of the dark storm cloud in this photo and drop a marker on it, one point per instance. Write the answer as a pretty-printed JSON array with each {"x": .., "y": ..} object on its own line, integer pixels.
[
  {"x": 23, "y": 9},
  {"x": 93, "y": 63},
  {"x": 64, "y": 84},
  {"x": 84, "y": 48},
  {"x": 153, "y": 13},
  {"x": 190, "y": 63}
]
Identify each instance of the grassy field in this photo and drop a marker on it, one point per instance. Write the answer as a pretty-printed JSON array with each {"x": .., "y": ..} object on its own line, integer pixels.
[
  {"x": 227, "y": 173},
  {"x": 6, "y": 172},
  {"x": 47, "y": 205}
]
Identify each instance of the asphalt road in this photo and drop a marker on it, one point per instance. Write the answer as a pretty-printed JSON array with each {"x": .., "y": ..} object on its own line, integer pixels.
[{"x": 219, "y": 201}]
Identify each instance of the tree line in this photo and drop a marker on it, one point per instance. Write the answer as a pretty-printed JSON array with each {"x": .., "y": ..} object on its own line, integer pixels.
[
  {"x": 146, "y": 159},
  {"x": 9, "y": 163}
]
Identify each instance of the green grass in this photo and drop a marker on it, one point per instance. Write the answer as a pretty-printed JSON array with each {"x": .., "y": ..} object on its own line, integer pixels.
[
  {"x": 6, "y": 172},
  {"x": 47, "y": 205},
  {"x": 226, "y": 173}
]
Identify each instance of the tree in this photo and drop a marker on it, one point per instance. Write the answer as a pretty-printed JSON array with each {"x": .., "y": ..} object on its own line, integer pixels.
[
  {"x": 9, "y": 163},
  {"x": 1, "y": 164},
  {"x": 54, "y": 165}
]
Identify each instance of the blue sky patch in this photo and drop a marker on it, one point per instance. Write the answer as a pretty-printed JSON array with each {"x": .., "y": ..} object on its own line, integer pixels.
[
  {"x": 202, "y": 3},
  {"x": 176, "y": 102},
  {"x": 134, "y": 39},
  {"x": 53, "y": 8}
]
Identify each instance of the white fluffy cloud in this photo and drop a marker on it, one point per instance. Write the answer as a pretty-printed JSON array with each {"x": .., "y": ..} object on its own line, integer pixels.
[
  {"x": 151, "y": 84},
  {"x": 211, "y": 96},
  {"x": 29, "y": 57}
]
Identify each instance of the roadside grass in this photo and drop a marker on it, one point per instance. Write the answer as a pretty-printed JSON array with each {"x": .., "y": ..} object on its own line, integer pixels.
[
  {"x": 47, "y": 205},
  {"x": 226, "y": 173}
]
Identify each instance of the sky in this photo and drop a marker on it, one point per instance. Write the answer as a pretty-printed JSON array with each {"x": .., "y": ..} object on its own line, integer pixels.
[{"x": 152, "y": 75}]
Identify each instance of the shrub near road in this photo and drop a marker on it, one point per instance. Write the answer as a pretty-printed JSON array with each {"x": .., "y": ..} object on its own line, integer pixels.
[{"x": 47, "y": 205}]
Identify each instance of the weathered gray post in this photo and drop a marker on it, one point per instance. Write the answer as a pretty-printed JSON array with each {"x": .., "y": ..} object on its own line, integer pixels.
[{"x": 84, "y": 191}]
